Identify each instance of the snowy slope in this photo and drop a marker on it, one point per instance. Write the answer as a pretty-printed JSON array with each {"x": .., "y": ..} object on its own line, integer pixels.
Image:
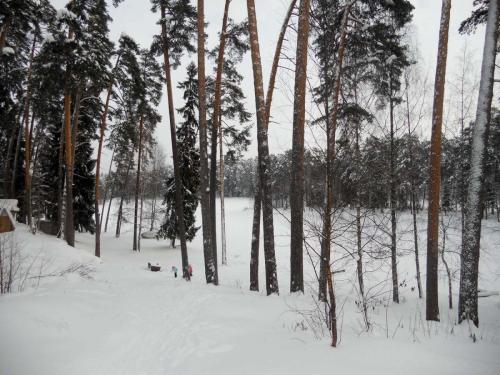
[{"x": 127, "y": 320}]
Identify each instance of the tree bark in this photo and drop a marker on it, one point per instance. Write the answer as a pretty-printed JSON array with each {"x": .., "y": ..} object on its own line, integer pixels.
[
  {"x": 254, "y": 252},
  {"x": 254, "y": 262},
  {"x": 27, "y": 143},
  {"x": 179, "y": 205},
  {"x": 211, "y": 272},
  {"x": 107, "y": 189},
  {"x": 222, "y": 208},
  {"x": 135, "y": 245},
  {"x": 469, "y": 270},
  {"x": 120, "y": 207},
  {"x": 413, "y": 198},
  {"x": 69, "y": 228},
  {"x": 432, "y": 302},
  {"x": 392, "y": 202},
  {"x": 263, "y": 151},
  {"x": 216, "y": 122},
  {"x": 297, "y": 169},
  {"x": 330, "y": 158},
  {"x": 102, "y": 130}
]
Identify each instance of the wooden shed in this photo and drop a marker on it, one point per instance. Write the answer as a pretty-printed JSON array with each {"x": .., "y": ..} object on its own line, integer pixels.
[{"x": 7, "y": 208}]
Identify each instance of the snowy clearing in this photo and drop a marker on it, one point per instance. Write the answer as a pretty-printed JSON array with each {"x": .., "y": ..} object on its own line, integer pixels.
[{"x": 123, "y": 319}]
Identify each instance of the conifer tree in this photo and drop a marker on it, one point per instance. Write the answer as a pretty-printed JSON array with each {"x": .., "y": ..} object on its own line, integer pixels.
[
  {"x": 190, "y": 164},
  {"x": 432, "y": 303},
  {"x": 177, "y": 30}
]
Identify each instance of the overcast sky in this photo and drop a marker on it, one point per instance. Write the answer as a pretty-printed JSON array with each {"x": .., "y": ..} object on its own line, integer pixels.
[{"x": 135, "y": 18}]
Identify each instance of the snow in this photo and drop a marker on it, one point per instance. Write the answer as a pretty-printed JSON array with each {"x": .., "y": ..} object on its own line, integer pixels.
[
  {"x": 391, "y": 59},
  {"x": 49, "y": 38},
  {"x": 8, "y": 51},
  {"x": 127, "y": 320},
  {"x": 9, "y": 204},
  {"x": 65, "y": 13}
]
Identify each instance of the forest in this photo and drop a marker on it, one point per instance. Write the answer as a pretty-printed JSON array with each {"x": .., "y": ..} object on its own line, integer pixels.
[{"x": 386, "y": 196}]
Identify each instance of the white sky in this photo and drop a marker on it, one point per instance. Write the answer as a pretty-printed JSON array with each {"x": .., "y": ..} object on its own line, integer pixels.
[{"x": 135, "y": 18}]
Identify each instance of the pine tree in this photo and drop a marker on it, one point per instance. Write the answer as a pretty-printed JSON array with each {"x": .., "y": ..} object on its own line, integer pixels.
[
  {"x": 432, "y": 303},
  {"x": 177, "y": 29},
  {"x": 263, "y": 150},
  {"x": 189, "y": 164},
  {"x": 254, "y": 251},
  {"x": 297, "y": 178},
  {"x": 227, "y": 102},
  {"x": 146, "y": 92},
  {"x": 211, "y": 273}
]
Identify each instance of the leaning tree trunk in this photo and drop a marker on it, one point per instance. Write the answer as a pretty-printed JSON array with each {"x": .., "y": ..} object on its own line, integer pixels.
[
  {"x": 297, "y": 169},
  {"x": 211, "y": 273},
  {"x": 135, "y": 245},
  {"x": 330, "y": 158},
  {"x": 216, "y": 122},
  {"x": 102, "y": 130},
  {"x": 263, "y": 151},
  {"x": 432, "y": 302},
  {"x": 254, "y": 261},
  {"x": 108, "y": 188},
  {"x": 469, "y": 270},
  {"x": 179, "y": 204}
]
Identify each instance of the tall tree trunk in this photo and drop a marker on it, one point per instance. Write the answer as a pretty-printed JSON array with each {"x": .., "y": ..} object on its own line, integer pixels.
[
  {"x": 120, "y": 207},
  {"x": 216, "y": 122},
  {"x": 16, "y": 159},
  {"x": 60, "y": 184},
  {"x": 254, "y": 252},
  {"x": 297, "y": 169},
  {"x": 141, "y": 217},
  {"x": 8, "y": 157},
  {"x": 432, "y": 303},
  {"x": 135, "y": 246},
  {"x": 107, "y": 188},
  {"x": 211, "y": 272},
  {"x": 392, "y": 202},
  {"x": 263, "y": 151},
  {"x": 443, "y": 259},
  {"x": 254, "y": 261},
  {"x": 111, "y": 196},
  {"x": 76, "y": 121},
  {"x": 359, "y": 261},
  {"x": 69, "y": 227},
  {"x": 330, "y": 158},
  {"x": 102, "y": 131},
  {"x": 469, "y": 270},
  {"x": 222, "y": 208},
  {"x": 27, "y": 143},
  {"x": 179, "y": 205},
  {"x": 413, "y": 197}
]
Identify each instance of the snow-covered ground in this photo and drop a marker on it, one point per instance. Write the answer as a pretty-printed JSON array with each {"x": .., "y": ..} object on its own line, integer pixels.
[{"x": 113, "y": 316}]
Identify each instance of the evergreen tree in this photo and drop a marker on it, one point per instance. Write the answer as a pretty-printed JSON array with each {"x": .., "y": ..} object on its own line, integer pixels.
[{"x": 190, "y": 164}]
